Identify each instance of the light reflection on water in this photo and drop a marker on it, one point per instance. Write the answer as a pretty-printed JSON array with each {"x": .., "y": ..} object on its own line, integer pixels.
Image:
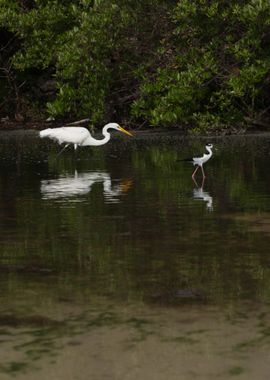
[{"x": 119, "y": 254}]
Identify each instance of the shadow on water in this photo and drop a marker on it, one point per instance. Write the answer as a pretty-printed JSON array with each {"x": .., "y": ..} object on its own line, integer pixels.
[{"x": 115, "y": 255}]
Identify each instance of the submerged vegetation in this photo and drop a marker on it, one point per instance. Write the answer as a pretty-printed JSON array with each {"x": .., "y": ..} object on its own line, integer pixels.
[{"x": 192, "y": 63}]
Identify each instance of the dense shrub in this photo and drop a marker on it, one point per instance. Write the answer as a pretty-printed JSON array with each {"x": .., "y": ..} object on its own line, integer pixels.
[
  {"x": 194, "y": 63},
  {"x": 216, "y": 66}
]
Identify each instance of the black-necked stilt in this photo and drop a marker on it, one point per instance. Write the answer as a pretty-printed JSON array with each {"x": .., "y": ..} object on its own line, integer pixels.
[{"x": 200, "y": 161}]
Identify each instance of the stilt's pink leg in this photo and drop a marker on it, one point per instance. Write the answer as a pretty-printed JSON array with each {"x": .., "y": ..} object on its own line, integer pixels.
[
  {"x": 203, "y": 172},
  {"x": 195, "y": 171}
]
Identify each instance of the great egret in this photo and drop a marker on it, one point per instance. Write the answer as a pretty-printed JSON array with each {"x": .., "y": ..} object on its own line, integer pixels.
[
  {"x": 200, "y": 161},
  {"x": 80, "y": 136}
]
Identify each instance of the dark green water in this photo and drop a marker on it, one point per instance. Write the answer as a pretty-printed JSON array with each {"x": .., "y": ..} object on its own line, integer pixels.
[{"x": 118, "y": 244}]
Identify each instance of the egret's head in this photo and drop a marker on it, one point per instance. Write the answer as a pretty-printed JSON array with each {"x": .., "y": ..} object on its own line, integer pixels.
[
  {"x": 118, "y": 128},
  {"x": 209, "y": 146}
]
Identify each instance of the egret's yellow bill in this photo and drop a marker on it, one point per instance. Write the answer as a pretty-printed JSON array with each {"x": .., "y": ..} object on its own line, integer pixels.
[{"x": 126, "y": 132}]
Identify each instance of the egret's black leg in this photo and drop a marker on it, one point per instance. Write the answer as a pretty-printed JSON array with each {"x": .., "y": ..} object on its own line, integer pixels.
[{"x": 62, "y": 150}]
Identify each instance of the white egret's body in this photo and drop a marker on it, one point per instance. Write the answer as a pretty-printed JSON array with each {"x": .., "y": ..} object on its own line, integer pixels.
[{"x": 80, "y": 136}]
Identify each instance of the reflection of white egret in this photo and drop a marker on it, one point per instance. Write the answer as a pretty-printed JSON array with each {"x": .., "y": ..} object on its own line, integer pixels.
[
  {"x": 81, "y": 184},
  {"x": 199, "y": 193},
  {"x": 80, "y": 136}
]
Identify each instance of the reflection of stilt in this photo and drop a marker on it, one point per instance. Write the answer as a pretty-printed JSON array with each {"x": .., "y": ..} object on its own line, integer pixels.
[{"x": 199, "y": 193}]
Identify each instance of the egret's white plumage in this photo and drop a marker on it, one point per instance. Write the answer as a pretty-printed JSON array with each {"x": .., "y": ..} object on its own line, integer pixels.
[{"x": 80, "y": 136}]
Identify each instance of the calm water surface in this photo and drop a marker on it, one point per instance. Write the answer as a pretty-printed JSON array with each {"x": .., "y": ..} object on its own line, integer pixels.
[{"x": 116, "y": 265}]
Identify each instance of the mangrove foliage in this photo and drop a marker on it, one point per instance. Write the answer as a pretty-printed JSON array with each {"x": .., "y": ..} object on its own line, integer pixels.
[{"x": 194, "y": 64}]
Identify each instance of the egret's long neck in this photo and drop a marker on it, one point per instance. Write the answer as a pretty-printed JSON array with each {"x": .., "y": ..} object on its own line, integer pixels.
[
  {"x": 106, "y": 134},
  {"x": 94, "y": 142}
]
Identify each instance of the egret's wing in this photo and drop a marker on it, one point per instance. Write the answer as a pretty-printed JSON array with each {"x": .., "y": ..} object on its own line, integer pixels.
[{"x": 69, "y": 135}]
